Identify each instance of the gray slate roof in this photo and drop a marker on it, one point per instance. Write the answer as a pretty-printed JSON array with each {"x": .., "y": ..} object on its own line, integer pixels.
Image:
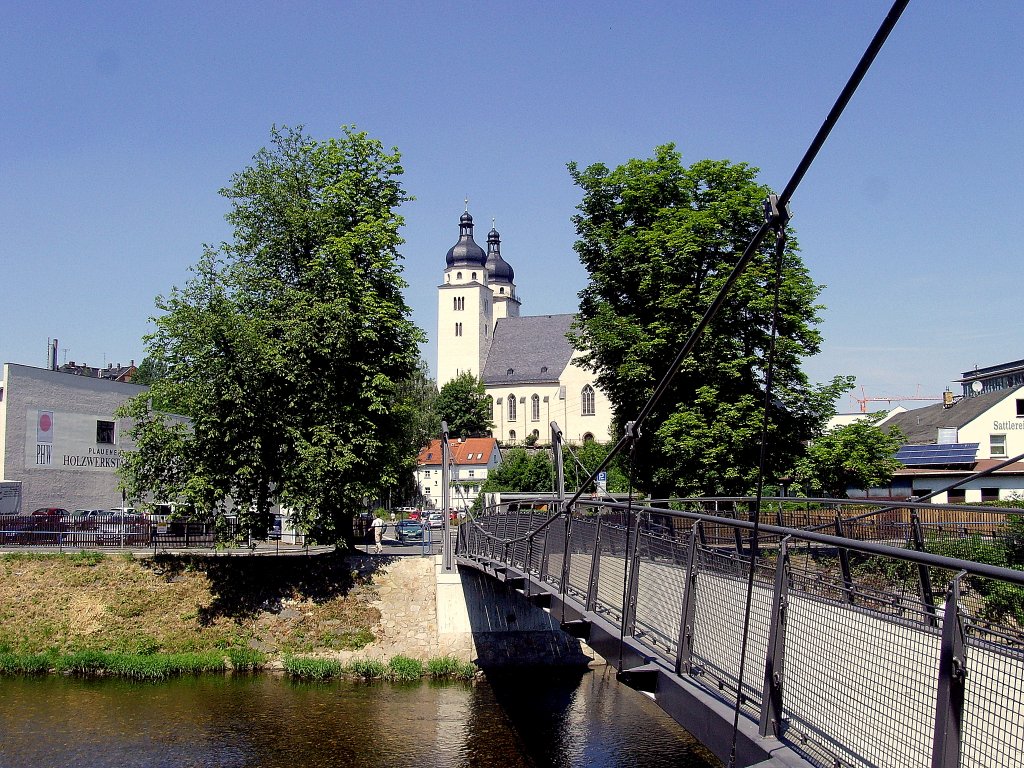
[
  {"x": 526, "y": 345},
  {"x": 921, "y": 425}
]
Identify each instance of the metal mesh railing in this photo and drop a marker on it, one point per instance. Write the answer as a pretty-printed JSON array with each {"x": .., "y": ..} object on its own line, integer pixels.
[{"x": 860, "y": 618}]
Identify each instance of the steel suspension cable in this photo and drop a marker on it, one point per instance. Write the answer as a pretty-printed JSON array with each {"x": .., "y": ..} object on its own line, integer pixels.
[{"x": 752, "y": 549}]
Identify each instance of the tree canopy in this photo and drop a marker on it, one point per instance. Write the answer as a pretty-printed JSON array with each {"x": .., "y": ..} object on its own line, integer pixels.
[
  {"x": 521, "y": 471},
  {"x": 464, "y": 405},
  {"x": 659, "y": 240},
  {"x": 288, "y": 348},
  {"x": 858, "y": 455}
]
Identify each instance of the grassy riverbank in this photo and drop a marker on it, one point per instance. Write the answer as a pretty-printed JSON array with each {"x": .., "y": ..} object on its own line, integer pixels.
[{"x": 94, "y": 613}]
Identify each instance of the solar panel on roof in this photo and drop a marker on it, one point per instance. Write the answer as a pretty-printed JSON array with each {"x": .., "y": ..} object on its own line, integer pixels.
[{"x": 937, "y": 454}]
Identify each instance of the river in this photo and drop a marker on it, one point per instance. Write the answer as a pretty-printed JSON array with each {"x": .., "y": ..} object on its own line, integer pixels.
[{"x": 266, "y": 721}]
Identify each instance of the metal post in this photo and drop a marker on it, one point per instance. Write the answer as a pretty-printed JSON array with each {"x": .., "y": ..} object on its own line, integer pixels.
[
  {"x": 949, "y": 698},
  {"x": 446, "y": 494},
  {"x": 633, "y": 586},
  {"x": 595, "y": 566},
  {"x": 556, "y": 443},
  {"x": 774, "y": 667},
  {"x": 844, "y": 564},
  {"x": 684, "y": 645},
  {"x": 923, "y": 575}
]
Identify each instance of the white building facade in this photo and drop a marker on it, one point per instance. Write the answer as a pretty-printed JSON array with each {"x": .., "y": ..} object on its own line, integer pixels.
[
  {"x": 527, "y": 365},
  {"x": 471, "y": 459},
  {"x": 946, "y": 442},
  {"x": 60, "y": 438}
]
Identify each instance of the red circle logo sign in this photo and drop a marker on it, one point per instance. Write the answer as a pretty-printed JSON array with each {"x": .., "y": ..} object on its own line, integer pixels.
[{"x": 45, "y": 422}]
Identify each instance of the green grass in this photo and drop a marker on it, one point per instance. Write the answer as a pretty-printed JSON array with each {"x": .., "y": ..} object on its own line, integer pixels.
[
  {"x": 246, "y": 659},
  {"x": 448, "y": 667},
  {"x": 402, "y": 668},
  {"x": 304, "y": 668}
]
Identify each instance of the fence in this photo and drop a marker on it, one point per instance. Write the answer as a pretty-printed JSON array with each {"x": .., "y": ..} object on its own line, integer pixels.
[{"x": 869, "y": 650}]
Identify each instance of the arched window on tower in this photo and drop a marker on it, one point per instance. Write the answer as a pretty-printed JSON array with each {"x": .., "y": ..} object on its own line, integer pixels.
[
  {"x": 535, "y": 408},
  {"x": 474, "y": 275},
  {"x": 458, "y": 275},
  {"x": 511, "y": 406},
  {"x": 587, "y": 401}
]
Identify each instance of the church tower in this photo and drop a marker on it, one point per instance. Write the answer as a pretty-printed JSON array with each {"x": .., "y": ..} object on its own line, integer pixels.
[
  {"x": 500, "y": 278},
  {"x": 465, "y": 319}
]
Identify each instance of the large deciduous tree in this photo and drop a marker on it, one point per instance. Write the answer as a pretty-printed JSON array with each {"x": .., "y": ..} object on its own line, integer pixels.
[
  {"x": 659, "y": 240},
  {"x": 464, "y": 405},
  {"x": 288, "y": 347}
]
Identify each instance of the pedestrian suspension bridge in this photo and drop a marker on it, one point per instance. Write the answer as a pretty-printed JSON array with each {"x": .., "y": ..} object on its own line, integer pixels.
[{"x": 782, "y": 631}]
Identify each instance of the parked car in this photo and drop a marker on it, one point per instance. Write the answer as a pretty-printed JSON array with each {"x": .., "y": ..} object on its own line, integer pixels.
[
  {"x": 85, "y": 519},
  {"x": 408, "y": 531},
  {"x": 122, "y": 527},
  {"x": 435, "y": 520}
]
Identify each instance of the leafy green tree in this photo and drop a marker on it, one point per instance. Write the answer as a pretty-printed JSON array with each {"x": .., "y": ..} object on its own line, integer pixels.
[
  {"x": 148, "y": 371},
  {"x": 463, "y": 403},
  {"x": 521, "y": 471},
  {"x": 659, "y": 240},
  {"x": 418, "y": 398},
  {"x": 581, "y": 460},
  {"x": 288, "y": 348},
  {"x": 858, "y": 455}
]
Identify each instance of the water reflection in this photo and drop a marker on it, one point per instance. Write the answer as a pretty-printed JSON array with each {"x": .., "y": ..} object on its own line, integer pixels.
[{"x": 266, "y": 721}]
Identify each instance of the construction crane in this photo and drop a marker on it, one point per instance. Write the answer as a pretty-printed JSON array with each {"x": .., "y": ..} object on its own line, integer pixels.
[{"x": 863, "y": 400}]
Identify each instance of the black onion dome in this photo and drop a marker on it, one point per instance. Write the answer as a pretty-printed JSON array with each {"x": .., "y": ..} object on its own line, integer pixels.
[
  {"x": 466, "y": 253},
  {"x": 497, "y": 267}
]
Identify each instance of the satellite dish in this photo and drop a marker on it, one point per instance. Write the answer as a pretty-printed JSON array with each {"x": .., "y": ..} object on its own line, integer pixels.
[{"x": 976, "y": 386}]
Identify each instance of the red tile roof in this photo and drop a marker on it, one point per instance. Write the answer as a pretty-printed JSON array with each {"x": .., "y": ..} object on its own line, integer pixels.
[{"x": 470, "y": 451}]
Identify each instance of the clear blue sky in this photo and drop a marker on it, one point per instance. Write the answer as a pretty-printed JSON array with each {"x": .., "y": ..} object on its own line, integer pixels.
[{"x": 121, "y": 121}]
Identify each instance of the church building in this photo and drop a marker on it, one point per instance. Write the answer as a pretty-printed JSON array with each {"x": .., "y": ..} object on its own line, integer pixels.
[{"x": 528, "y": 367}]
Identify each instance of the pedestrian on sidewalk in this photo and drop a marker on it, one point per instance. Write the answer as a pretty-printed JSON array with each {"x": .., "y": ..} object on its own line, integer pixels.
[{"x": 377, "y": 526}]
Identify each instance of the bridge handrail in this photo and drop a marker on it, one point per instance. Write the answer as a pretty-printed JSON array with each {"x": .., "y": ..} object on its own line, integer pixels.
[{"x": 872, "y": 548}]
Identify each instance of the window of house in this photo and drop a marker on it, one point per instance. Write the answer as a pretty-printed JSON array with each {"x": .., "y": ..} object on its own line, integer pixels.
[
  {"x": 511, "y": 435},
  {"x": 426, "y": 473},
  {"x": 957, "y": 496},
  {"x": 501, "y": 290},
  {"x": 105, "y": 432},
  {"x": 1020, "y": 407},
  {"x": 997, "y": 446},
  {"x": 536, "y": 434},
  {"x": 990, "y": 494},
  {"x": 474, "y": 275},
  {"x": 458, "y": 275},
  {"x": 588, "y": 438},
  {"x": 511, "y": 406},
  {"x": 472, "y": 472},
  {"x": 535, "y": 408},
  {"x": 587, "y": 401},
  {"x": 458, "y": 329}
]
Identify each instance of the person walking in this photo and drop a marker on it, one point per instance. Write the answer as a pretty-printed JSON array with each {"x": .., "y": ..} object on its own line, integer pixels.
[{"x": 378, "y": 533}]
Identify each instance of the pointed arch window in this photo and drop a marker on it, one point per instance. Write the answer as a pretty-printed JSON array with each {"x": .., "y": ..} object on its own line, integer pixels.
[
  {"x": 587, "y": 401},
  {"x": 535, "y": 408},
  {"x": 458, "y": 329},
  {"x": 511, "y": 406}
]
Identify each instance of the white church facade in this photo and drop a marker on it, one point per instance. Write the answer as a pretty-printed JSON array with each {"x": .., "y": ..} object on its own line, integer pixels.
[{"x": 527, "y": 365}]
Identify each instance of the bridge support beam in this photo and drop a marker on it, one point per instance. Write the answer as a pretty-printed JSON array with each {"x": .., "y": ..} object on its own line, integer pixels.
[
  {"x": 771, "y": 695},
  {"x": 949, "y": 698}
]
